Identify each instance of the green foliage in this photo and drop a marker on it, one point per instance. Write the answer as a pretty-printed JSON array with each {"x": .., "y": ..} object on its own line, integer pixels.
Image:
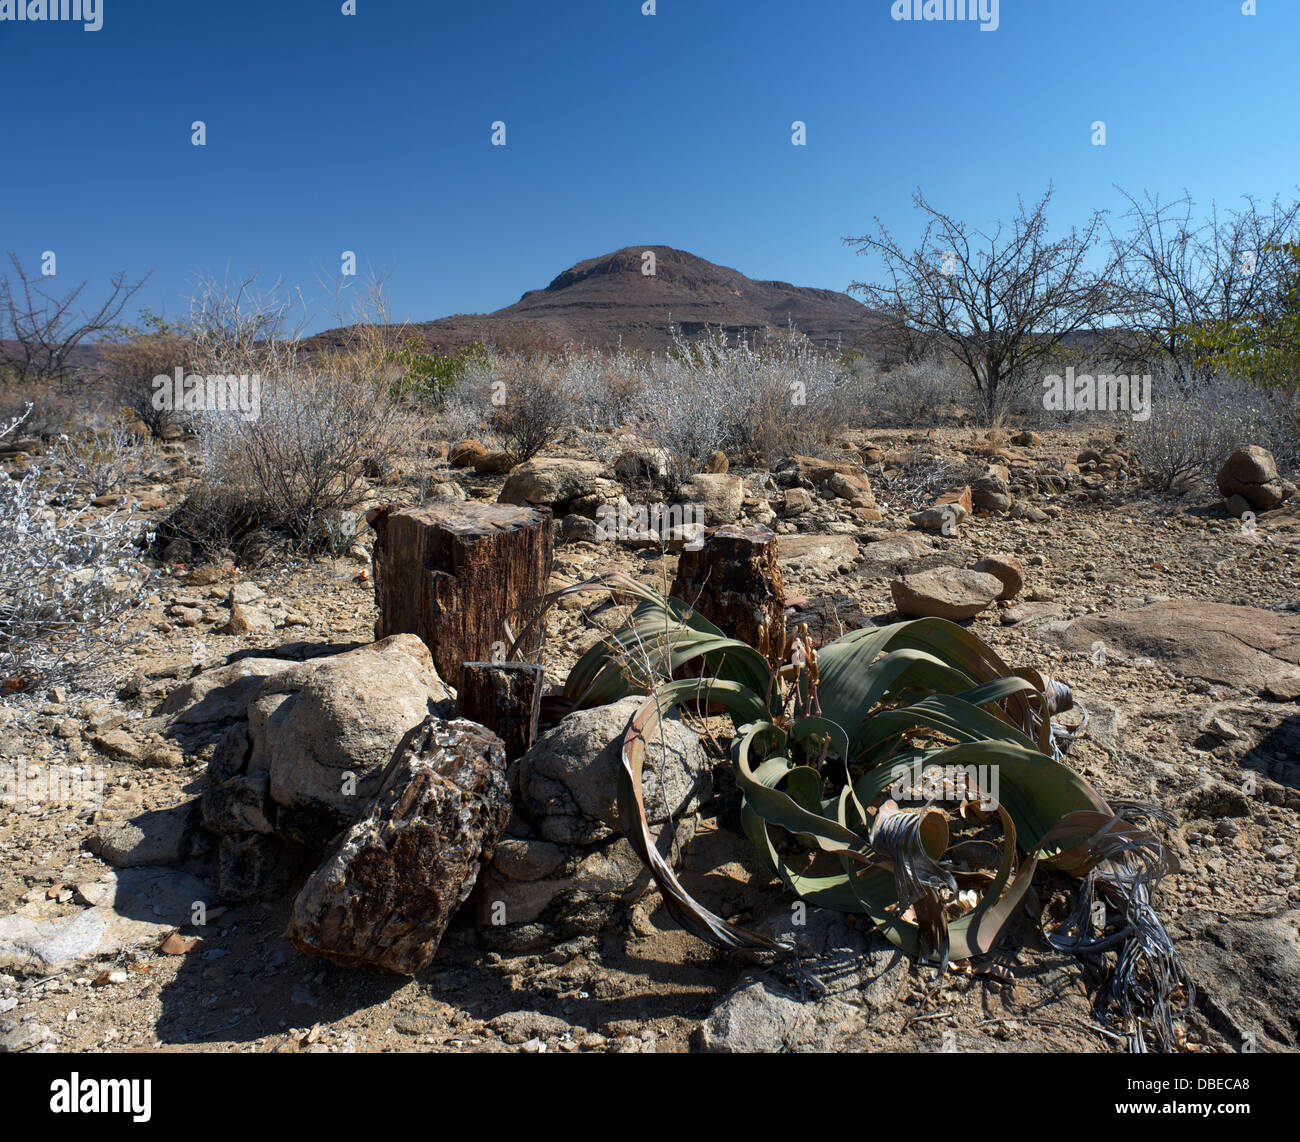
[
  {"x": 824, "y": 742},
  {"x": 431, "y": 374},
  {"x": 1265, "y": 348}
]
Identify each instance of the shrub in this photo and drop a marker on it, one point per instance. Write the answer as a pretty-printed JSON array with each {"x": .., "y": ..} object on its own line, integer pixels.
[
  {"x": 105, "y": 458},
  {"x": 68, "y": 582}
]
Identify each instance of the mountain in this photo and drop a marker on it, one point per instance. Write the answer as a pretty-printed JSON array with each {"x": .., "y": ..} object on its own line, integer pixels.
[{"x": 604, "y": 300}]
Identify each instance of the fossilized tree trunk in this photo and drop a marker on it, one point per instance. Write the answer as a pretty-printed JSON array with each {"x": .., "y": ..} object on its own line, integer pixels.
[
  {"x": 734, "y": 582},
  {"x": 506, "y": 697},
  {"x": 451, "y": 573}
]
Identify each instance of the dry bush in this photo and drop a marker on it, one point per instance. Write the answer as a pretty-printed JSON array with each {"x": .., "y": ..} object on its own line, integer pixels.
[
  {"x": 127, "y": 368},
  {"x": 69, "y": 581},
  {"x": 327, "y": 421}
]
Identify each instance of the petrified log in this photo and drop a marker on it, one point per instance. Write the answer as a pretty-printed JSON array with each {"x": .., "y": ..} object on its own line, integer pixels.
[
  {"x": 392, "y": 882},
  {"x": 452, "y": 573},
  {"x": 827, "y": 616},
  {"x": 506, "y": 697},
  {"x": 734, "y": 581}
]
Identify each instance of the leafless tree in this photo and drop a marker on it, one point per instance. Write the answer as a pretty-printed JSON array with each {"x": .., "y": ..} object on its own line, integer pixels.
[
  {"x": 1002, "y": 302},
  {"x": 40, "y": 330},
  {"x": 1174, "y": 272}
]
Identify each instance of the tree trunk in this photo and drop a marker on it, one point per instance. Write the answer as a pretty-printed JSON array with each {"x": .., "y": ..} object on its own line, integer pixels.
[
  {"x": 734, "y": 581},
  {"x": 506, "y": 697},
  {"x": 451, "y": 573}
]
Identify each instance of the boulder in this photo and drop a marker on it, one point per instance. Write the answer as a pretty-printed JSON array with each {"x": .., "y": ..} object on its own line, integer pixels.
[
  {"x": 720, "y": 497},
  {"x": 851, "y": 486},
  {"x": 555, "y": 483},
  {"x": 464, "y": 453},
  {"x": 945, "y": 592},
  {"x": 816, "y": 554},
  {"x": 1251, "y": 473},
  {"x": 642, "y": 464},
  {"x": 1008, "y": 569},
  {"x": 386, "y": 893},
  {"x": 568, "y": 781},
  {"x": 222, "y": 694},
  {"x": 991, "y": 492},
  {"x": 448, "y": 491},
  {"x": 325, "y": 730},
  {"x": 493, "y": 463}
]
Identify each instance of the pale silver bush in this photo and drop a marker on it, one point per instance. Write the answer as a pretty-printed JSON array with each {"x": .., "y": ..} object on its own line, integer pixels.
[{"x": 69, "y": 582}]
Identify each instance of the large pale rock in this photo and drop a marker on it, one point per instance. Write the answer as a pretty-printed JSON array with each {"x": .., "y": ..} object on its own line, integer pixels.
[
  {"x": 1251, "y": 473},
  {"x": 719, "y": 496},
  {"x": 555, "y": 483},
  {"x": 1246, "y": 647},
  {"x": 324, "y": 731},
  {"x": 386, "y": 893},
  {"x": 945, "y": 593},
  {"x": 568, "y": 781}
]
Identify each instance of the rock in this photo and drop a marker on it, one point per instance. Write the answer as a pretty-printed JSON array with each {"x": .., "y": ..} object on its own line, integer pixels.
[
  {"x": 252, "y": 866},
  {"x": 759, "y": 1017},
  {"x": 247, "y": 620},
  {"x": 221, "y": 694},
  {"x": 580, "y": 528},
  {"x": 1008, "y": 569},
  {"x": 944, "y": 520},
  {"x": 325, "y": 730},
  {"x": 582, "y": 890},
  {"x": 945, "y": 592},
  {"x": 568, "y": 781},
  {"x": 991, "y": 492},
  {"x": 158, "y": 837},
  {"x": 27, "y": 1037},
  {"x": 1245, "y": 647},
  {"x": 1026, "y": 439},
  {"x": 448, "y": 491},
  {"x": 961, "y": 497},
  {"x": 244, "y": 593},
  {"x": 797, "y": 501},
  {"x": 717, "y": 464},
  {"x": 720, "y": 497},
  {"x": 493, "y": 463},
  {"x": 851, "y": 486},
  {"x": 1238, "y": 505},
  {"x": 146, "y": 905},
  {"x": 178, "y": 551},
  {"x": 642, "y": 464},
  {"x": 1247, "y": 977},
  {"x": 387, "y": 892},
  {"x": 119, "y": 745},
  {"x": 204, "y": 576},
  {"x": 465, "y": 452},
  {"x": 1252, "y": 474},
  {"x": 815, "y": 554},
  {"x": 555, "y": 483}
]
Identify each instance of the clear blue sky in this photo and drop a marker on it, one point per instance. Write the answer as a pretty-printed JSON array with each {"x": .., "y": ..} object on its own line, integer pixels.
[{"x": 372, "y": 132}]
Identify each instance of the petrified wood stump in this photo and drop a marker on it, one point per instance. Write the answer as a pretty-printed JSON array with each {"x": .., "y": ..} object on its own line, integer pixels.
[
  {"x": 452, "y": 573},
  {"x": 504, "y": 696},
  {"x": 734, "y": 581},
  {"x": 386, "y": 892}
]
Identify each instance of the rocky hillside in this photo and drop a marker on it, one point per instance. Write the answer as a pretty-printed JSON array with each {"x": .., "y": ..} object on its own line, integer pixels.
[{"x": 607, "y": 300}]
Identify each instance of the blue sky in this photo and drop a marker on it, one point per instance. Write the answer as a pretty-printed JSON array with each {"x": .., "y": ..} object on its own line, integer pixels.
[{"x": 372, "y": 132}]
